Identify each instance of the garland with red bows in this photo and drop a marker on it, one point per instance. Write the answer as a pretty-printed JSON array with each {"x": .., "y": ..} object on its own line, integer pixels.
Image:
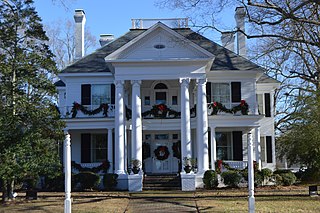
[
  {"x": 218, "y": 107},
  {"x": 76, "y": 107}
]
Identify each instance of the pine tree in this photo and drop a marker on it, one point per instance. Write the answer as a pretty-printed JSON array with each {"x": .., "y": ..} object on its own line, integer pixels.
[{"x": 29, "y": 123}]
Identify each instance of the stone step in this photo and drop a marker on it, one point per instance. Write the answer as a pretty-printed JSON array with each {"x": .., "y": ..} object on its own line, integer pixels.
[{"x": 162, "y": 182}]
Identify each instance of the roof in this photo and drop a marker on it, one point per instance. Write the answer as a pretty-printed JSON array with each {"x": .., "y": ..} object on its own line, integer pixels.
[
  {"x": 267, "y": 79},
  {"x": 59, "y": 84},
  {"x": 224, "y": 58}
]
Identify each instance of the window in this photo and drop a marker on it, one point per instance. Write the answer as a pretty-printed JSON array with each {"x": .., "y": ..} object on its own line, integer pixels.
[
  {"x": 174, "y": 100},
  {"x": 221, "y": 93},
  {"x": 260, "y": 103},
  {"x": 97, "y": 94},
  {"x": 147, "y": 100},
  {"x": 224, "y": 146},
  {"x": 93, "y": 148},
  {"x": 161, "y": 136},
  {"x": 175, "y": 136},
  {"x": 99, "y": 147},
  {"x": 161, "y": 94},
  {"x": 226, "y": 93},
  {"x": 100, "y": 94},
  {"x": 161, "y": 97}
]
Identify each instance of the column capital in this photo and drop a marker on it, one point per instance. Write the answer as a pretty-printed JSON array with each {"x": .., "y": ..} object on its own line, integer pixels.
[
  {"x": 201, "y": 81},
  {"x": 184, "y": 81},
  {"x": 119, "y": 82},
  {"x": 136, "y": 82}
]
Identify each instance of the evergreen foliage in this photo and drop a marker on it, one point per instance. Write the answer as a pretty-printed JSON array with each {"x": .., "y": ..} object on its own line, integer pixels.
[{"x": 30, "y": 127}]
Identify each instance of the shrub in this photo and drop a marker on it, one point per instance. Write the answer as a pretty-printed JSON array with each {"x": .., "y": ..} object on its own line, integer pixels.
[
  {"x": 87, "y": 180},
  {"x": 284, "y": 177},
  {"x": 210, "y": 179},
  {"x": 231, "y": 178},
  {"x": 110, "y": 181},
  {"x": 266, "y": 173},
  {"x": 54, "y": 183}
]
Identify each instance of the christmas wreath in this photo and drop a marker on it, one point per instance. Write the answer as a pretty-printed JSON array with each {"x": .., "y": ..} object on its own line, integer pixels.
[{"x": 161, "y": 153}]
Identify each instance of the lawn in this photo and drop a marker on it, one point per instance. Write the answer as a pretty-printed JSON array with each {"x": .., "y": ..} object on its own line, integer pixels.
[{"x": 271, "y": 199}]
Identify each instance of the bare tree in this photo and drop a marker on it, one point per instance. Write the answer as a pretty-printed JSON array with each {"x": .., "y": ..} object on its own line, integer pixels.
[{"x": 62, "y": 41}]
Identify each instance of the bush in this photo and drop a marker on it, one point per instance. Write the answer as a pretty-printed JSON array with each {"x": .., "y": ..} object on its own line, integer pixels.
[
  {"x": 284, "y": 177},
  {"x": 110, "y": 181},
  {"x": 266, "y": 173},
  {"x": 231, "y": 178},
  {"x": 258, "y": 177},
  {"x": 87, "y": 180},
  {"x": 54, "y": 183},
  {"x": 210, "y": 179}
]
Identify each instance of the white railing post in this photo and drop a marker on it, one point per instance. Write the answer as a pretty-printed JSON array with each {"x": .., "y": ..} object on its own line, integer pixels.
[{"x": 67, "y": 171}]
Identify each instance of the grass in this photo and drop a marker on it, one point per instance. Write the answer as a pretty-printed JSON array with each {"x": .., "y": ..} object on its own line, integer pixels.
[{"x": 268, "y": 199}]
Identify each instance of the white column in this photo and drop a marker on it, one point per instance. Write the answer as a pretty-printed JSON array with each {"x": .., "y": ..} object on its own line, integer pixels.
[
  {"x": 213, "y": 147},
  {"x": 136, "y": 139},
  {"x": 67, "y": 172},
  {"x": 251, "y": 202},
  {"x": 119, "y": 128},
  {"x": 202, "y": 127},
  {"x": 110, "y": 150},
  {"x": 257, "y": 147},
  {"x": 185, "y": 119}
]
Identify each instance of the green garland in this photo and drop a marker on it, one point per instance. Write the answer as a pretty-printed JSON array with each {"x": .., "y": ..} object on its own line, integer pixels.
[
  {"x": 161, "y": 111},
  {"x": 104, "y": 166},
  {"x": 76, "y": 107},
  {"x": 218, "y": 107}
]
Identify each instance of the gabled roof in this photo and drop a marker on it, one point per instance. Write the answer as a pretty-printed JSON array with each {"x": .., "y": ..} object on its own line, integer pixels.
[{"x": 224, "y": 58}]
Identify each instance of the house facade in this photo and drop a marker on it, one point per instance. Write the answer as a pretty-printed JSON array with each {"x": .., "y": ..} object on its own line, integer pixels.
[{"x": 162, "y": 93}]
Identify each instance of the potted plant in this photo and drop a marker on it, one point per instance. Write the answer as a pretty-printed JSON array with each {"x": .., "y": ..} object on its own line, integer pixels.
[
  {"x": 187, "y": 164},
  {"x": 135, "y": 163}
]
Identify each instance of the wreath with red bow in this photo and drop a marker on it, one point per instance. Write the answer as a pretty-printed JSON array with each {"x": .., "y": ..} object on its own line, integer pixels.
[{"x": 161, "y": 153}]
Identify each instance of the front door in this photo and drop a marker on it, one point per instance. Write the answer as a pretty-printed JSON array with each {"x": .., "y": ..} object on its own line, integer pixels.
[{"x": 162, "y": 157}]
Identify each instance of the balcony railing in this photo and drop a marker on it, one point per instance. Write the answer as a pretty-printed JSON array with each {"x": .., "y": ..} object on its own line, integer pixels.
[
  {"x": 237, "y": 164},
  {"x": 67, "y": 112},
  {"x": 170, "y": 22}
]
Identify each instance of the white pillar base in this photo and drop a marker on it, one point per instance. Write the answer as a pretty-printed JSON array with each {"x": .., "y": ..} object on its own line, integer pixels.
[
  {"x": 188, "y": 181},
  {"x": 199, "y": 181},
  {"x": 67, "y": 205},
  {"x": 251, "y": 205},
  {"x": 135, "y": 182},
  {"x": 122, "y": 182}
]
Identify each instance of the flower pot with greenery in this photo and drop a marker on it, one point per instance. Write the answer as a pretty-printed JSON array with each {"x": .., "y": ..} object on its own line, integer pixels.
[
  {"x": 135, "y": 163},
  {"x": 187, "y": 163}
]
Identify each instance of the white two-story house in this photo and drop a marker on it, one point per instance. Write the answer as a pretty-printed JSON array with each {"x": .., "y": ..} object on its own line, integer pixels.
[{"x": 163, "y": 92}]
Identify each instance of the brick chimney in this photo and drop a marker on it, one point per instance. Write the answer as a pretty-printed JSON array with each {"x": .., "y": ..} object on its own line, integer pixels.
[
  {"x": 227, "y": 40},
  {"x": 241, "y": 39},
  {"x": 105, "y": 39},
  {"x": 80, "y": 20}
]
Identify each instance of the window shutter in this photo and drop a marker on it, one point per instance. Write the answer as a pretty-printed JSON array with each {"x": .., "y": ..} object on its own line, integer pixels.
[
  {"x": 86, "y": 94},
  {"x": 237, "y": 145},
  {"x": 208, "y": 91},
  {"x": 113, "y": 93},
  {"x": 85, "y": 148},
  {"x": 269, "y": 148},
  {"x": 235, "y": 92},
  {"x": 267, "y": 104}
]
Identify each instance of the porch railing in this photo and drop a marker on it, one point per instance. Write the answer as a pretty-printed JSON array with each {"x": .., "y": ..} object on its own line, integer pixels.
[
  {"x": 237, "y": 164},
  {"x": 66, "y": 112}
]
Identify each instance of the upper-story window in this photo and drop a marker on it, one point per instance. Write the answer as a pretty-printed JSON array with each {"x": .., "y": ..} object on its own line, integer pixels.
[
  {"x": 160, "y": 93},
  {"x": 96, "y": 94},
  {"x": 228, "y": 94},
  {"x": 264, "y": 104}
]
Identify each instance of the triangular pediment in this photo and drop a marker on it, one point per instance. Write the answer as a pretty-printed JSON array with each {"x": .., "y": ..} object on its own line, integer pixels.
[{"x": 159, "y": 43}]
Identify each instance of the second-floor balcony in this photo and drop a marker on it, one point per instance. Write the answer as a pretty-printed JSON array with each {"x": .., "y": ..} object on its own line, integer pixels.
[{"x": 160, "y": 111}]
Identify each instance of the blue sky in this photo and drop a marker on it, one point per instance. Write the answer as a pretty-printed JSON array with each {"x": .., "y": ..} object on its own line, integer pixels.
[
  {"x": 103, "y": 16},
  {"x": 114, "y": 16}
]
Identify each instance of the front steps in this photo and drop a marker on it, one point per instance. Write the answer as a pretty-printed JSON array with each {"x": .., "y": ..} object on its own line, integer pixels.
[{"x": 162, "y": 182}]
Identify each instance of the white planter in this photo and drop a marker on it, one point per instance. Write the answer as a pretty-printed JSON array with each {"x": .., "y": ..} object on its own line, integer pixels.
[
  {"x": 135, "y": 182},
  {"x": 188, "y": 181}
]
